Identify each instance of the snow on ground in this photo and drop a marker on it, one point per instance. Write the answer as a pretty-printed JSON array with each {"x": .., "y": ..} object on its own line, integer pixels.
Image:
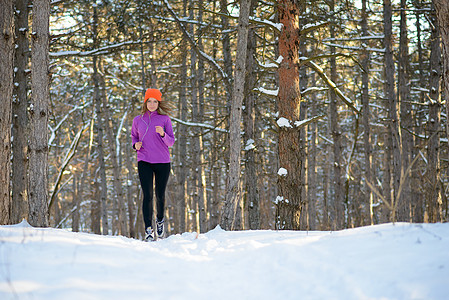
[{"x": 401, "y": 261}]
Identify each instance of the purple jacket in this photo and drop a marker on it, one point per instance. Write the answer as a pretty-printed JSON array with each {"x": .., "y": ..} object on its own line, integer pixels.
[{"x": 154, "y": 147}]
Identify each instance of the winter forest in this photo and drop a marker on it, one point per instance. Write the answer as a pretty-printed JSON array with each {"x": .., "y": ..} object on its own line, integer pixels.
[{"x": 303, "y": 115}]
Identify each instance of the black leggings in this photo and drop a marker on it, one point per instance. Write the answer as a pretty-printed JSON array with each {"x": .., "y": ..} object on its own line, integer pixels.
[{"x": 161, "y": 173}]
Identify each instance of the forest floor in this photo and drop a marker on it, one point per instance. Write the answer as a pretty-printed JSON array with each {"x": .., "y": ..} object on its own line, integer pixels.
[{"x": 389, "y": 261}]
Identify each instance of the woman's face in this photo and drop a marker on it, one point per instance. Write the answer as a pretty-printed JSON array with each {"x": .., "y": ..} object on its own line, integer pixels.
[{"x": 152, "y": 104}]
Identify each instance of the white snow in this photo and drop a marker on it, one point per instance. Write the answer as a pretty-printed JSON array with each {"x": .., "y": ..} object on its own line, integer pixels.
[
  {"x": 267, "y": 92},
  {"x": 277, "y": 26},
  {"x": 280, "y": 199},
  {"x": 280, "y": 59},
  {"x": 272, "y": 64},
  {"x": 283, "y": 122},
  {"x": 282, "y": 172},
  {"x": 249, "y": 145},
  {"x": 268, "y": 65},
  {"x": 401, "y": 261}
]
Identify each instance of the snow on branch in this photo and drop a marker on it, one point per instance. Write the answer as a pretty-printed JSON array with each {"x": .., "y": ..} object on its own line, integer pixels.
[
  {"x": 56, "y": 2},
  {"x": 99, "y": 51},
  {"x": 199, "y": 125},
  {"x": 300, "y": 124},
  {"x": 359, "y": 38},
  {"x": 283, "y": 122},
  {"x": 310, "y": 27},
  {"x": 273, "y": 93},
  {"x": 304, "y": 60},
  {"x": 333, "y": 86},
  {"x": 272, "y": 64},
  {"x": 276, "y": 26},
  {"x": 312, "y": 90}
]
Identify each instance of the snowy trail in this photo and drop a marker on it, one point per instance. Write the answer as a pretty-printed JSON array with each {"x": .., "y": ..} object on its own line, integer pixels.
[{"x": 401, "y": 261}]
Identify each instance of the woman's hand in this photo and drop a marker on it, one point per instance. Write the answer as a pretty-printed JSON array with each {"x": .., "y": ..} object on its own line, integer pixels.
[
  {"x": 138, "y": 145},
  {"x": 160, "y": 130}
]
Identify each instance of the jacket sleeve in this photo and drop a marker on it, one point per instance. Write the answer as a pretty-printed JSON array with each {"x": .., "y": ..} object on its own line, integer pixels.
[
  {"x": 134, "y": 133},
  {"x": 169, "y": 138}
]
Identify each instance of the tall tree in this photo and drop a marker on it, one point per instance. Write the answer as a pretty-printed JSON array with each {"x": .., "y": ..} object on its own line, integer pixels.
[
  {"x": 119, "y": 199},
  {"x": 312, "y": 152},
  {"x": 338, "y": 205},
  {"x": 20, "y": 119},
  {"x": 103, "y": 193},
  {"x": 199, "y": 199},
  {"x": 233, "y": 192},
  {"x": 432, "y": 175},
  {"x": 85, "y": 170},
  {"x": 181, "y": 145},
  {"x": 291, "y": 155},
  {"x": 365, "y": 60},
  {"x": 303, "y": 142},
  {"x": 442, "y": 12},
  {"x": 194, "y": 146},
  {"x": 406, "y": 115},
  {"x": 214, "y": 205},
  {"x": 418, "y": 206},
  {"x": 393, "y": 136},
  {"x": 38, "y": 139},
  {"x": 198, "y": 109},
  {"x": 6, "y": 90},
  {"x": 249, "y": 120}
]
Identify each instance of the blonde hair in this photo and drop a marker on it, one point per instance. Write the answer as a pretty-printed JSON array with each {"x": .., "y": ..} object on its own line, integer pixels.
[{"x": 163, "y": 108}]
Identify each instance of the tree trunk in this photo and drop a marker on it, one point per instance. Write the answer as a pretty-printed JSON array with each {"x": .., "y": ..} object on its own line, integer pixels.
[
  {"x": 442, "y": 12},
  {"x": 6, "y": 90},
  {"x": 214, "y": 199},
  {"x": 85, "y": 170},
  {"x": 131, "y": 188},
  {"x": 233, "y": 192},
  {"x": 339, "y": 204},
  {"x": 195, "y": 144},
  {"x": 312, "y": 152},
  {"x": 182, "y": 140},
  {"x": 102, "y": 184},
  {"x": 303, "y": 81},
  {"x": 120, "y": 211},
  {"x": 393, "y": 143},
  {"x": 20, "y": 120},
  {"x": 95, "y": 215},
  {"x": 249, "y": 119},
  {"x": 406, "y": 117},
  {"x": 226, "y": 42},
  {"x": 75, "y": 205},
  {"x": 418, "y": 204},
  {"x": 365, "y": 60},
  {"x": 198, "y": 156},
  {"x": 38, "y": 139},
  {"x": 152, "y": 57},
  {"x": 228, "y": 63},
  {"x": 432, "y": 175},
  {"x": 291, "y": 155},
  {"x": 100, "y": 134}
]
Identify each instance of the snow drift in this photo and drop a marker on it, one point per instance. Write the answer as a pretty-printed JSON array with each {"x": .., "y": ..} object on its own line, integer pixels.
[{"x": 400, "y": 261}]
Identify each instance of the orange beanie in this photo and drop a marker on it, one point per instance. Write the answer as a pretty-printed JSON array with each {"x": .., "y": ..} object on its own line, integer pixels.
[{"x": 153, "y": 93}]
